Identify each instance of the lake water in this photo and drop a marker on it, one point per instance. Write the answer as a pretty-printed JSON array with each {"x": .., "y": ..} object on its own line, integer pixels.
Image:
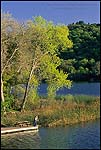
[
  {"x": 79, "y": 136},
  {"x": 85, "y": 88}
]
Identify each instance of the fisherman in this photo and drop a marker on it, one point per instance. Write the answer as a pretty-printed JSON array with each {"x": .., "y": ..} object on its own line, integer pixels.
[{"x": 35, "y": 121}]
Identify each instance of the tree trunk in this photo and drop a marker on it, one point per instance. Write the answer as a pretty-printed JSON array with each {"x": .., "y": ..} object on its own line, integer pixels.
[
  {"x": 2, "y": 71},
  {"x": 35, "y": 64},
  {"x": 2, "y": 94},
  {"x": 27, "y": 88}
]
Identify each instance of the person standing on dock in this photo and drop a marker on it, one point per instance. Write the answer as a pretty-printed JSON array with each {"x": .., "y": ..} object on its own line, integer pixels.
[{"x": 35, "y": 121}]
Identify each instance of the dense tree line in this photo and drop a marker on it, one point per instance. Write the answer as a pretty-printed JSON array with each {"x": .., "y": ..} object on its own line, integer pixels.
[{"x": 82, "y": 61}]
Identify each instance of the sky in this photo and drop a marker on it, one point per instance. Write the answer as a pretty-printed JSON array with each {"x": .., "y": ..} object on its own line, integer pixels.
[{"x": 63, "y": 12}]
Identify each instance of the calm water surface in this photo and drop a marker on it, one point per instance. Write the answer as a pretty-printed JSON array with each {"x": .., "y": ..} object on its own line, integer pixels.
[
  {"x": 85, "y": 88},
  {"x": 79, "y": 136}
]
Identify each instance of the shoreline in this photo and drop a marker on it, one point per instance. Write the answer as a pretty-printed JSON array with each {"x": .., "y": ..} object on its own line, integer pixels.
[
  {"x": 53, "y": 125},
  {"x": 71, "y": 123},
  {"x": 57, "y": 113}
]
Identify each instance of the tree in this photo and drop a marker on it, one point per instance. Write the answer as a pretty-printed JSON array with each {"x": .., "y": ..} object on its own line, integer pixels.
[
  {"x": 9, "y": 46},
  {"x": 30, "y": 54},
  {"x": 45, "y": 40},
  {"x": 86, "y": 47}
]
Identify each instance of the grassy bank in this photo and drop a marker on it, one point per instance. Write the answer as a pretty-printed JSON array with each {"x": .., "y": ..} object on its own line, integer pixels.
[{"x": 63, "y": 110}]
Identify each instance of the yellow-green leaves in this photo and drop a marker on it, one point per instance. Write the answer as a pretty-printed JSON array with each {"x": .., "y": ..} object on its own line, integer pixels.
[
  {"x": 34, "y": 81},
  {"x": 46, "y": 41},
  {"x": 61, "y": 34},
  {"x": 39, "y": 43}
]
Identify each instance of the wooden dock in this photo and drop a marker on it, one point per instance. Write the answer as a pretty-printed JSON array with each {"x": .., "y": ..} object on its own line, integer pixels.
[{"x": 8, "y": 130}]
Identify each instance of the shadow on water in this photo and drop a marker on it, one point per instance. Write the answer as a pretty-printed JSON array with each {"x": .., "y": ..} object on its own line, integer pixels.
[{"x": 21, "y": 140}]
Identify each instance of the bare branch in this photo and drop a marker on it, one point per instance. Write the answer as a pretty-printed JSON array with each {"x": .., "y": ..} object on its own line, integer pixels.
[{"x": 9, "y": 60}]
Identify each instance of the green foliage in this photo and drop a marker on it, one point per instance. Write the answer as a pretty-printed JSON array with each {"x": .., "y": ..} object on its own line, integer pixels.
[
  {"x": 53, "y": 39},
  {"x": 59, "y": 80},
  {"x": 33, "y": 95},
  {"x": 78, "y": 99},
  {"x": 38, "y": 43},
  {"x": 8, "y": 104},
  {"x": 84, "y": 99},
  {"x": 85, "y": 51},
  {"x": 56, "y": 53},
  {"x": 58, "y": 114}
]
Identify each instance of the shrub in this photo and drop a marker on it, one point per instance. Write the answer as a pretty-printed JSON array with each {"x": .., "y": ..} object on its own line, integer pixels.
[{"x": 86, "y": 99}]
